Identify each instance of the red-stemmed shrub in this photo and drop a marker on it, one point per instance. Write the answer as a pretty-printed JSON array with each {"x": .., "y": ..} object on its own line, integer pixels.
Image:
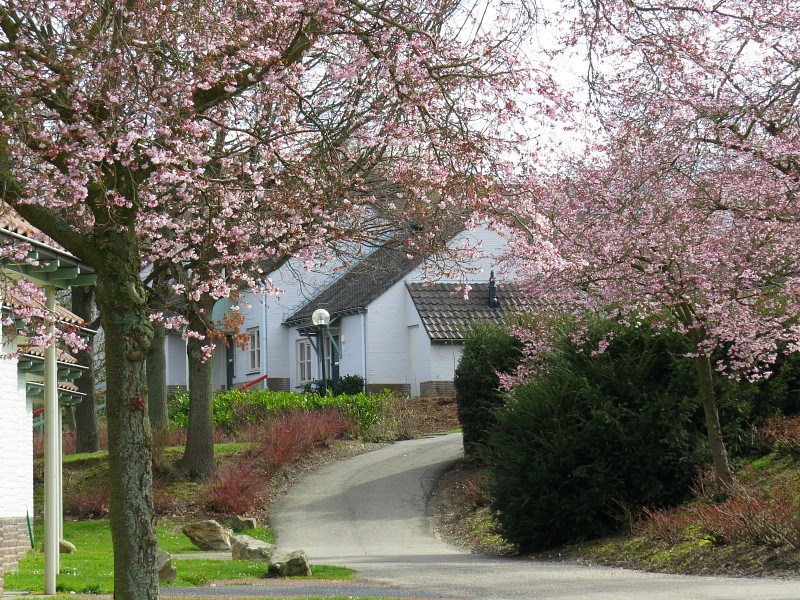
[
  {"x": 666, "y": 524},
  {"x": 753, "y": 517},
  {"x": 88, "y": 502},
  {"x": 38, "y": 445},
  {"x": 237, "y": 488},
  {"x": 167, "y": 503},
  {"x": 781, "y": 434},
  {"x": 290, "y": 436}
]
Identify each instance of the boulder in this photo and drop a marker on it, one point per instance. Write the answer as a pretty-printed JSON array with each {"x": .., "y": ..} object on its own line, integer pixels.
[
  {"x": 245, "y": 547},
  {"x": 243, "y": 523},
  {"x": 166, "y": 570},
  {"x": 65, "y": 547},
  {"x": 208, "y": 535},
  {"x": 283, "y": 564}
]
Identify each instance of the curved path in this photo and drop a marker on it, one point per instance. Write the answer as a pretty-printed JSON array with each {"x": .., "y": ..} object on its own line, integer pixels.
[{"x": 368, "y": 513}]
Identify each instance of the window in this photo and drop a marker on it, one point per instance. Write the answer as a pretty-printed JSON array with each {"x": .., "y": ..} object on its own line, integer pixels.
[
  {"x": 332, "y": 356},
  {"x": 254, "y": 348},
  {"x": 303, "y": 362}
]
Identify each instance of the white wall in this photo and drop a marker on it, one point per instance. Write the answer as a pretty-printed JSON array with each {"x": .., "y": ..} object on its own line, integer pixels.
[
  {"x": 295, "y": 287},
  {"x": 489, "y": 245},
  {"x": 351, "y": 362},
  {"x": 176, "y": 360},
  {"x": 16, "y": 442},
  {"x": 444, "y": 360},
  {"x": 387, "y": 337}
]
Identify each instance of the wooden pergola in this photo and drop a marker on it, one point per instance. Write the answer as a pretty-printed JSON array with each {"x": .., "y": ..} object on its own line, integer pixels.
[{"x": 51, "y": 269}]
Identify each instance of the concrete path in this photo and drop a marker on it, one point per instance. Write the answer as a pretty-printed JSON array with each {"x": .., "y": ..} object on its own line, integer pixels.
[{"x": 368, "y": 513}]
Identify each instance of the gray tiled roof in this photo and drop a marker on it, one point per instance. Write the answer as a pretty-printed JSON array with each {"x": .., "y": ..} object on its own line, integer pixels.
[
  {"x": 447, "y": 315},
  {"x": 359, "y": 286}
]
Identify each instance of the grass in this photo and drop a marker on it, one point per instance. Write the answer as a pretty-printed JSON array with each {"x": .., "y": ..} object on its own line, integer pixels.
[
  {"x": 85, "y": 456},
  {"x": 90, "y": 569}
]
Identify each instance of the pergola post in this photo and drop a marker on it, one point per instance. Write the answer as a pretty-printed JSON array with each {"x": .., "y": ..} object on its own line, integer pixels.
[{"x": 52, "y": 453}]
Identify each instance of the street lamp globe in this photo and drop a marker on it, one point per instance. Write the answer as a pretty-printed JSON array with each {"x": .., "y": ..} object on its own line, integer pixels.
[{"x": 321, "y": 317}]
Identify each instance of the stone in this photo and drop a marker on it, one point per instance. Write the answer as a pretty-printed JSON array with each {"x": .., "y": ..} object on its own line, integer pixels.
[
  {"x": 65, "y": 547},
  {"x": 246, "y": 547},
  {"x": 243, "y": 523},
  {"x": 166, "y": 570},
  {"x": 208, "y": 535},
  {"x": 290, "y": 564}
]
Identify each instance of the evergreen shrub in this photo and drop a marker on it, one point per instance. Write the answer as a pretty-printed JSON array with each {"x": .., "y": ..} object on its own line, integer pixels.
[
  {"x": 593, "y": 433},
  {"x": 488, "y": 349}
]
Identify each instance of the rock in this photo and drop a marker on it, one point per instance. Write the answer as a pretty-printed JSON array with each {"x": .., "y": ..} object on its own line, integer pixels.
[
  {"x": 208, "y": 535},
  {"x": 65, "y": 547},
  {"x": 166, "y": 570},
  {"x": 243, "y": 523},
  {"x": 245, "y": 547},
  {"x": 284, "y": 564}
]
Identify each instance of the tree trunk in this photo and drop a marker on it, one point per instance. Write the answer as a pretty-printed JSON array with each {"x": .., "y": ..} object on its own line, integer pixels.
[
  {"x": 198, "y": 457},
  {"x": 121, "y": 300},
  {"x": 87, "y": 435},
  {"x": 157, "y": 380},
  {"x": 722, "y": 468}
]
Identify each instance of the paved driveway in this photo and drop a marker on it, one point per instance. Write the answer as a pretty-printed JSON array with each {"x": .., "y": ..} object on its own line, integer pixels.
[{"x": 368, "y": 513}]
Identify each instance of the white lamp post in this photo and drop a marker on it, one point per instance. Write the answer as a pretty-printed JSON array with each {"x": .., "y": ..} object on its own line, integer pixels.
[{"x": 321, "y": 319}]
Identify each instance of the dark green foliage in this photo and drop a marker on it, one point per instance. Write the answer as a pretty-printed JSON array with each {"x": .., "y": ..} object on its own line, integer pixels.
[
  {"x": 348, "y": 384},
  {"x": 488, "y": 349},
  {"x": 744, "y": 406},
  {"x": 593, "y": 433},
  {"x": 780, "y": 394}
]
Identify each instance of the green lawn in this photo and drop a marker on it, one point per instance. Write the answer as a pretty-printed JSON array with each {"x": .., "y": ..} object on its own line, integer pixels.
[{"x": 90, "y": 569}]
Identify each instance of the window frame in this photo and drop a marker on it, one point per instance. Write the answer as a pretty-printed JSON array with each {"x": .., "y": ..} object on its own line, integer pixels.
[
  {"x": 304, "y": 358},
  {"x": 254, "y": 349}
]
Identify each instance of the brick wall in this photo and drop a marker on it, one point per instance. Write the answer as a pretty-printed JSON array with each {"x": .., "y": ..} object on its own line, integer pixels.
[
  {"x": 14, "y": 544},
  {"x": 279, "y": 384},
  {"x": 171, "y": 389},
  {"x": 428, "y": 389},
  {"x": 377, "y": 388}
]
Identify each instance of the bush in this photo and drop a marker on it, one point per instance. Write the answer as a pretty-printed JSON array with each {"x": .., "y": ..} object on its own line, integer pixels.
[
  {"x": 88, "y": 501},
  {"x": 235, "y": 410},
  {"x": 753, "y": 517},
  {"x": 781, "y": 434},
  {"x": 489, "y": 349},
  {"x": 593, "y": 432},
  {"x": 237, "y": 488},
  {"x": 290, "y": 436},
  {"x": 348, "y": 384}
]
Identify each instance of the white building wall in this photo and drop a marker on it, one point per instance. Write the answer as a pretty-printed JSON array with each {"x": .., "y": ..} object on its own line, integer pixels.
[
  {"x": 16, "y": 442},
  {"x": 219, "y": 373},
  {"x": 294, "y": 286},
  {"x": 444, "y": 360},
  {"x": 489, "y": 247},
  {"x": 387, "y": 338},
  {"x": 423, "y": 353},
  {"x": 176, "y": 360},
  {"x": 351, "y": 338}
]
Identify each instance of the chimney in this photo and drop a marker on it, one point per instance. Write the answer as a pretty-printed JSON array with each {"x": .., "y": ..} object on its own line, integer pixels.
[{"x": 493, "y": 303}]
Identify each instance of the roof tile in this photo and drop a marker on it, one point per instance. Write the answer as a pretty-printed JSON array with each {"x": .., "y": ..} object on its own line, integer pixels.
[{"x": 447, "y": 315}]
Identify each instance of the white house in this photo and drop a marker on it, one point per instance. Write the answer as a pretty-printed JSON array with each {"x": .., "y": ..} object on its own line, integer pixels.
[
  {"x": 23, "y": 387},
  {"x": 388, "y": 324}
]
